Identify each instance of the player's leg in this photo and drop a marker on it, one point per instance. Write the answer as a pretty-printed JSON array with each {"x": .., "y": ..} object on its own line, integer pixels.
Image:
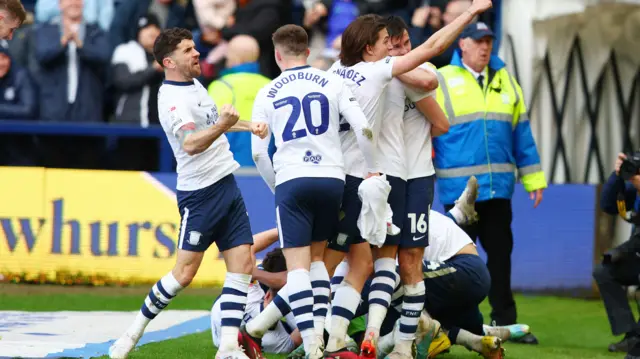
[
  {"x": 326, "y": 208},
  {"x": 347, "y": 297},
  {"x": 160, "y": 295},
  {"x": 414, "y": 239},
  {"x": 463, "y": 212},
  {"x": 234, "y": 240},
  {"x": 197, "y": 220},
  {"x": 385, "y": 268}
]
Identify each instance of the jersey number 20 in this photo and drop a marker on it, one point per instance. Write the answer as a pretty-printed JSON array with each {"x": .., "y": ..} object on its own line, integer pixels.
[{"x": 289, "y": 134}]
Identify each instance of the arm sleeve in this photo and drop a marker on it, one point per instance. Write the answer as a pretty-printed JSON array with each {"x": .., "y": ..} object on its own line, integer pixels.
[
  {"x": 524, "y": 146},
  {"x": 385, "y": 68},
  {"x": 352, "y": 113},
  {"x": 609, "y": 195},
  {"x": 260, "y": 146},
  {"x": 26, "y": 106},
  {"x": 47, "y": 44},
  {"x": 416, "y": 95},
  {"x": 179, "y": 115},
  {"x": 277, "y": 341}
]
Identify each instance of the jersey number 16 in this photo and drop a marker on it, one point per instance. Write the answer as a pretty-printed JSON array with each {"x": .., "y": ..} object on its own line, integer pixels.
[{"x": 289, "y": 134}]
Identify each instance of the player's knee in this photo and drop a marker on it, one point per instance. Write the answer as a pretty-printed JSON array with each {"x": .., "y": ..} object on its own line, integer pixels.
[
  {"x": 185, "y": 274},
  {"x": 410, "y": 262}
]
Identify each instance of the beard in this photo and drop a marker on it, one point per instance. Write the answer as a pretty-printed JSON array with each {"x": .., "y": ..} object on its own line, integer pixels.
[{"x": 189, "y": 71}]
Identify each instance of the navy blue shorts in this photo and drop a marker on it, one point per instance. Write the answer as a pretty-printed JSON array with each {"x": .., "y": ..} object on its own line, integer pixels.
[
  {"x": 213, "y": 214},
  {"x": 418, "y": 204},
  {"x": 397, "y": 200},
  {"x": 348, "y": 232},
  {"x": 307, "y": 210}
]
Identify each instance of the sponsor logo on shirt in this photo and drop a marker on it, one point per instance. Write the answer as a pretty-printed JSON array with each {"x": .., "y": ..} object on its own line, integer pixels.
[{"x": 310, "y": 157}]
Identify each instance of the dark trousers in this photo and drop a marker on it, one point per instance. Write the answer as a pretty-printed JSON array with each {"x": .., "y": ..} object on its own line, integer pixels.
[
  {"x": 494, "y": 232},
  {"x": 612, "y": 280}
]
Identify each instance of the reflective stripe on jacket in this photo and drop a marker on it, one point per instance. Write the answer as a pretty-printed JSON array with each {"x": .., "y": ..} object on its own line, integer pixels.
[{"x": 490, "y": 134}]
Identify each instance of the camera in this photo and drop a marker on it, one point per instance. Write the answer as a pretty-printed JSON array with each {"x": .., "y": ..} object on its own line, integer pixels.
[{"x": 630, "y": 166}]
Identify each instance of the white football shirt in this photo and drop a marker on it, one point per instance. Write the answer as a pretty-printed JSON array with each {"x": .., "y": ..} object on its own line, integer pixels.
[
  {"x": 303, "y": 107},
  {"x": 368, "y": 82},
  {"x": 446, "y": 238},
  {"x": 180, "y": 103},
  {"x": 276, "y": 341},
  {"x": 391, "y": 142},
  {"x": 417, "y": 138}
]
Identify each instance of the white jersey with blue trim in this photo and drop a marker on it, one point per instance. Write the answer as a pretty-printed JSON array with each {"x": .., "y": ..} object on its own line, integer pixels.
[
  {"x": 276, "y": 341},
  {"x": 446, "y": 238},
  {"x": 303, "y": 107},
  {"x": 417, "y": 138},
  {"x": 391, "y": 141},
  {"x": 368, "y": 82},
  {"x": 181, "y": 103}
]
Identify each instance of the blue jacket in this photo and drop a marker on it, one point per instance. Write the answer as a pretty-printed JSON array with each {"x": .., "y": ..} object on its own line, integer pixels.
[
  {"x": 18, "y": 99},
  {"x": 93, "y": 60},
  {"x": 489, "y": 136}
]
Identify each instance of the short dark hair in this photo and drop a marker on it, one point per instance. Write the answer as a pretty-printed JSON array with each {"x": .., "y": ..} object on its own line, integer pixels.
[
  {"x": 274, "y": 261},
  {"x": 396, "y": 26},
  {"x": 361, "y": 32},
  {"x": 168, "y": 41},
  {"x": 15, "y": 8},
  {"x": 292, "y": 39}
]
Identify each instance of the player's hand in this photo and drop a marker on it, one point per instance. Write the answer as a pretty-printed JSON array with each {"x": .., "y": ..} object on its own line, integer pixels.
[
  {"x": 259, "y": 129},
  {"x": 480, "y": 6},
  {"x": 536, "y": 196},
  {"x": 619, "y": 160},
  {"x": 372, "y": 174},
  {"x": 228, "y": 116}
]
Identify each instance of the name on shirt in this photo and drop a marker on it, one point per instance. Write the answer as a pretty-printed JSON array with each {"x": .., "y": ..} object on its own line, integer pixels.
[
  {"x": 350, "y": 74},
  {"x": 296, "y": 76}
]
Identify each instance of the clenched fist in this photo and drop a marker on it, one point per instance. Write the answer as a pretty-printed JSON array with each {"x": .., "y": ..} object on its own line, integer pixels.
[
  {"x": 480, "y": 6},
  {"x": 259, "y": 129},
  {"x": 228, "y": 116}
]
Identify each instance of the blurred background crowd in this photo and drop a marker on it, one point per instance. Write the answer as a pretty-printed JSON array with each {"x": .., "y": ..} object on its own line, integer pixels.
[{"x": 90, "y": 61}]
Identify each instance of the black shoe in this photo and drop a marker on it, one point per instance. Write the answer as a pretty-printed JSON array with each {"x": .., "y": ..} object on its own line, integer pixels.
[
  {"x": 625, "y": 344},
  {"x": 527, "y": 339}
]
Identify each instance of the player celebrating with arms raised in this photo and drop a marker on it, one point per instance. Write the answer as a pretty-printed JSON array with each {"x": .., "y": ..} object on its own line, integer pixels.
[
  {"x": 368, "y": 72},
  {"x": 209, "y": 200},
  {"x": 303, "y": 107}
]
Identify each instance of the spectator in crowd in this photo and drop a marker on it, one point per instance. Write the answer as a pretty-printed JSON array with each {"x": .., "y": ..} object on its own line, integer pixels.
[
  {"x": 95, "y": 12},
  {"x": 426, "y": 20},
  {"x": 12, "y": 15},
  {"x": 453, "y": 9},
  {"x": 137, "y": 76},
  {"x": 212, "y": 17},
  {"x": 259, "y": 19},
  {"x": 170, "y": 13},
  {"x": 613, "y": 276},
  {"x": 490, "y": 137},
  {"x": 240, "y": 82},
  {"x": 18, "y": 100},
  {"x": 72, "y": 56}
]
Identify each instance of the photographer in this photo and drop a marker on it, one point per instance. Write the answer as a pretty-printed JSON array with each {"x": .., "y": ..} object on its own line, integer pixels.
[{"x": 621, "y": 266}]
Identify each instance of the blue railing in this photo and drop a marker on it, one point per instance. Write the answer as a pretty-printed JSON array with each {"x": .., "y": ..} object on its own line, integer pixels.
[{"x": 110, "y": 132}]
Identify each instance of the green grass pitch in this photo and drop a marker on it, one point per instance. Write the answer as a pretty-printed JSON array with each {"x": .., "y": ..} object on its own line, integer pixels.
[{"x": 566, "y": 328}]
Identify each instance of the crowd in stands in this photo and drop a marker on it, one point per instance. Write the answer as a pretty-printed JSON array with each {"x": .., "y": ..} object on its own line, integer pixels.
[{"x": 90, "y": 61}]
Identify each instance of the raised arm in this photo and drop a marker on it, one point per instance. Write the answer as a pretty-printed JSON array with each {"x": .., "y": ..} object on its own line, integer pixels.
[
  {"x": 420, "y": 79},
  {"x": 439, "y": 41}
]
